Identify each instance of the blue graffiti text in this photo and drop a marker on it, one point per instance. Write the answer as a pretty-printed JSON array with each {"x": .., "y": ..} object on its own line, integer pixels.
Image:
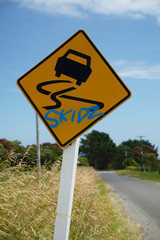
[{"x": 71, "y": 115}]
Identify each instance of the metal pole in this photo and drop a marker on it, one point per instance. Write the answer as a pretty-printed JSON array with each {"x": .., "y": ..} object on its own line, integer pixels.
[
  {"x": 38, "y": 149},
  {"x": 143, "y": 165},
  {"x": 66, "y": 191},
  {"x": 126, "y": 154}
]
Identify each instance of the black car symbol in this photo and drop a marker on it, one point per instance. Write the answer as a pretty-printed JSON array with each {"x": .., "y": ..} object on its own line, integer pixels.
[{"x": 72, "y": 68}]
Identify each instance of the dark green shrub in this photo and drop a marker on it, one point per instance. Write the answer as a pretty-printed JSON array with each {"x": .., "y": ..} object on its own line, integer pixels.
[
  {"x": 129, "y": 162},
  {"x": 83, "y": 161},
  {"x": 151, "y": 162},
  {"x": 133, "y": 168}
]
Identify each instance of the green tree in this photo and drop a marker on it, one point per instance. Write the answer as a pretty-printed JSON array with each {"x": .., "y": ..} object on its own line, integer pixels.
[
  {"x": 19, "y": 150},
  {"x": 129, "y": 162},
  {"x": 83, "y": 161},
  {"x": 28, "y": 155},
  {"x": 17, "y": 146},
  {"x": 129, "y": 145},
  {"x": 31, "y": 156},
  {"x": 132, "y": 149},
  {"x": 3, "y": 153},
  {"x": 98, "y": 148},
  {"x": 138, "y": 154},
  {"x": 5, "y": 148},
  {"x": 151, "y": 162},
  {"x": 138, "y": 151},
  {"x": 119, "y": 157},
  {"x": 50, "y": 152}
]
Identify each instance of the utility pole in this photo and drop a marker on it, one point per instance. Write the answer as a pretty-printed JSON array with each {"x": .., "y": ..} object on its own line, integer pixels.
[
  {"x": 38, "y": 149},
  {"x": 143, "y": 165},
  {"x": 126, "y": 155}
]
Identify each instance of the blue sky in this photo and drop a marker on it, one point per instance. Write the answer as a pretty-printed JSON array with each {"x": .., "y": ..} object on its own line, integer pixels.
[{"x": 126, "y": 33}]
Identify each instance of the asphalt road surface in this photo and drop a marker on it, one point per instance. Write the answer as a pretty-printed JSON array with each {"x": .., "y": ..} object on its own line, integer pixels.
[{"x": 140, "y": 200}]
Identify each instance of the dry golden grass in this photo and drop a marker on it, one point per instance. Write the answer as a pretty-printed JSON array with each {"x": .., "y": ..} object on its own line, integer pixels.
[
  {"x": 96, "y": 212},
  {"x": 28, "y": 209}
]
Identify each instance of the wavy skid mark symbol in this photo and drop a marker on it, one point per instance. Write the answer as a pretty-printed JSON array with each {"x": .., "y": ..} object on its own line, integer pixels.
[
  {"x": 59, "y": 93},
  {"x": 53, "y": 95},
  {"x": 100, "y": 104}
]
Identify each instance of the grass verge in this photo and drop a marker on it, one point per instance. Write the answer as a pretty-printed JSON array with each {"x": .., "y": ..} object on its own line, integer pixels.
[
  {"x": 28, "y": 209},
  {"x": 153, "y": 176}
]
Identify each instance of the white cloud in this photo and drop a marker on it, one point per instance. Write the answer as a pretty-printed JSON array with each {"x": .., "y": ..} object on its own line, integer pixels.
[
  {"x": 12, "y": 90},
  {"x": 139, "y": 70},
  {"x": 131, "y": 8}
]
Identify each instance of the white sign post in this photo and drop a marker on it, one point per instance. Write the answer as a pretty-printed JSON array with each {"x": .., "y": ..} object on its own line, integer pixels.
[{"x": 66, "y": 191}]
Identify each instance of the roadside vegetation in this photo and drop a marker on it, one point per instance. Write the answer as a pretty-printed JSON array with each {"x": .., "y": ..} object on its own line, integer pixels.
[
  {"x": 153, "y": 176},
  {"x": 28, "y": 203},
  {"x": 103, "y": 154},
  {"x": 97, "y": 149},
  {"x": 28, "y": 206}
]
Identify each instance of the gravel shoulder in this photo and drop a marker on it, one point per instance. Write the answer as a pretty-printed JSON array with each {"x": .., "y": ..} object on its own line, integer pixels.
[{"x": 139, "y": 215}]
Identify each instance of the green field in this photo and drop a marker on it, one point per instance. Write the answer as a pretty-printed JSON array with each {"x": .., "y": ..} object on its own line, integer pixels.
[{"x": 153, "y": 176}]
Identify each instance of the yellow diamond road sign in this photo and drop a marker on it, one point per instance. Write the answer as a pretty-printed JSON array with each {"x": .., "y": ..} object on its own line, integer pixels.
[{"x": 73, "y": 88}]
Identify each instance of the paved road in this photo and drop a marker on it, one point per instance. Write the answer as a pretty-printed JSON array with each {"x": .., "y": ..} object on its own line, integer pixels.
[{"x": 140, "y": 199}]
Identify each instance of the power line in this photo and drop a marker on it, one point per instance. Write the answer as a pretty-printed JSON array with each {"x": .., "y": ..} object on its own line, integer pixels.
[{"x": 140, "y": 137}]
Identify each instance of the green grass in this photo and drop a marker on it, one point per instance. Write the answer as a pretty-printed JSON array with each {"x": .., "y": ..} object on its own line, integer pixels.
[
  {"x": 153, "y": 176},
  {"x": 120, "y": 226}
]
